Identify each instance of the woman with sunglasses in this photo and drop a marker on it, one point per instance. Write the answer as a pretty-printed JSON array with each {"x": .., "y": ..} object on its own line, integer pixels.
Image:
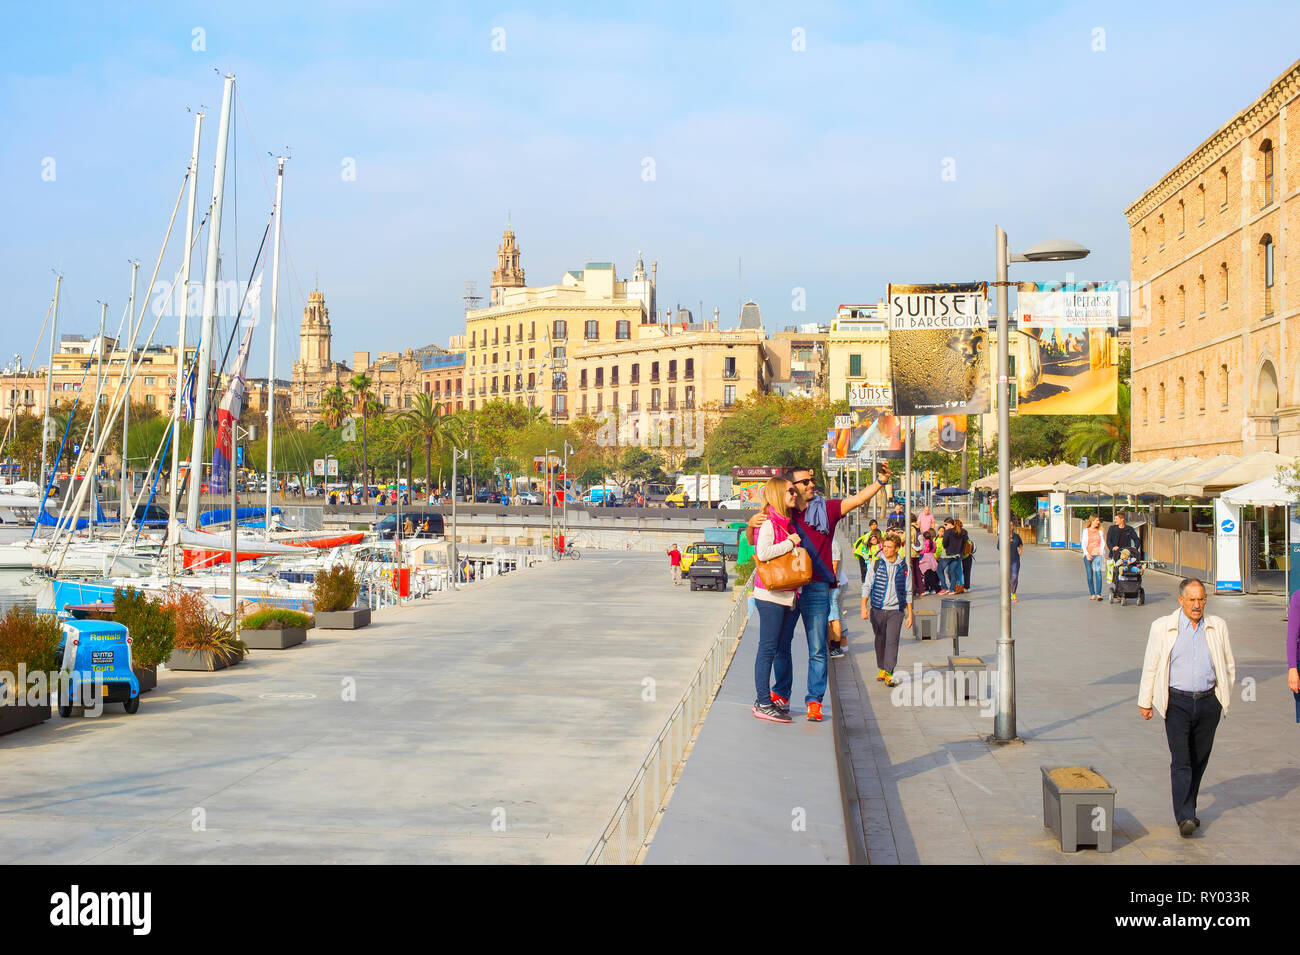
[{"x": 777, "y": 609}]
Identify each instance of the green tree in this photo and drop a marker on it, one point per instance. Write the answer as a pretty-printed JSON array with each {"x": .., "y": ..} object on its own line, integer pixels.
[
  {"x": 335, "y": 406},
  {"x": 428, "y": 426},
  {"x": 360, "y": 386}
]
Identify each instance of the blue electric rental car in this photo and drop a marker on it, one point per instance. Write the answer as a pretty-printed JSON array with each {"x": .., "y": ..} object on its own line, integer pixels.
[{"x": 94, "y": 650}]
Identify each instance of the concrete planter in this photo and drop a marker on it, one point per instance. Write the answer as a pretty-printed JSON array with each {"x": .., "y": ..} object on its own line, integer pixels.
[
  {"x": 148, "y": 677},
  {"x": 274, "y": 639},
  {"x": 343, "y": 619},
  {"x": 20, "y": 716},
  {"x": 1079, "y": 815},
  {"x": 200, "y": 660}
]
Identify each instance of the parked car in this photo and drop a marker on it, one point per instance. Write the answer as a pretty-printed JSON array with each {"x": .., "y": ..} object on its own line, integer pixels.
[
  {"x": 485, "y": 496},
  {"x": 700, "y": 551},
  {"x": 708, "y": 571},
  {"x": 736, "y": 504},
  {"x": 528, "y": 497},
  {"x": 151, "y": 515},
  {"x": 92, "y": 651}
]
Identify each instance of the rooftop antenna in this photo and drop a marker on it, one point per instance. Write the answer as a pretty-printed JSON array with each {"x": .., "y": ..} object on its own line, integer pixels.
[{"x": 471, "y": 296}]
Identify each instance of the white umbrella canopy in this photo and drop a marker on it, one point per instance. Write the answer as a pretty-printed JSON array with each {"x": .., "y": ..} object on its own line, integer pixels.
[
  {"x": 1118, "y": 482},
  {"x": 1261, "y": 464},
  {"x": 1072, "y": 481},
  {"x": 1044, "y": 479},
  {"x": 1147, "y": 481},
  {"x": 1090, "y": 483},
  {"x": 1265, "y": 492},
  {"x": 1171, "y": 482},
  {"x": 989, "y": 482}
]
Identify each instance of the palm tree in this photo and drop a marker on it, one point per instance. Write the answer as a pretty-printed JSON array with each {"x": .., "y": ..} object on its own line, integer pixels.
[
  {"x": 425, "y": 423},
  {"x": 1102, "y": 438},
  {"x": 335, "y": 406},
  {"x": 360, "y": 388}
]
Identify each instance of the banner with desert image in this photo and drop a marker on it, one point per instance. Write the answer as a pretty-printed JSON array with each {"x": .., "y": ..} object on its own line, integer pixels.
[{"x": 1068, "y": 348}]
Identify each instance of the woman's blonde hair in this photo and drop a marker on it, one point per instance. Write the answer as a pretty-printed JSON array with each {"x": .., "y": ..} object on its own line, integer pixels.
[
  {"x": 774, "y": 496},
  {"x": 1095, "y": 517}
]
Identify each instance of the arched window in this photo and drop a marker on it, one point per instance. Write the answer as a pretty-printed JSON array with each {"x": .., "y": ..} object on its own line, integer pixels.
[
  {"x": 1223, "y": 187},
  {"x": 1266, "y": 389},
  {"x": 1223, "y": 387},
  {"x": 1143, "y": 247},
  {"x": 1200, "y": 293},
  {"x": 1223, "y": 280},
  {"x": 1160, "y": 315},
  {"x": 1160, "y": 230},
  {"x": 1181, "y": 397},
  {"x": 1200, "y": 201},
  {"x": 1182, "y": 306},
  {"x": 1160, "y": 402},
  {"x": 1266, "y": 254},
  {"x": 1144, "y": 406},
  {"x": 1182, "y": 218},
  {"x": 1266, "y": 170},
  {"x": 1200, "y": 391}
]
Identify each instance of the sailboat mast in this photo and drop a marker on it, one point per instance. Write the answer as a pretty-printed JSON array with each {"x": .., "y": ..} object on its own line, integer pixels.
[
  {"x": 132, "y": 327},
  {"x": 275, "y": 309},
  {"x": 209, "y": 307},
  {"x": 173, "y": 500},
  {"x": 94, "y": 420},
  {"x": 49, "y": 384}
]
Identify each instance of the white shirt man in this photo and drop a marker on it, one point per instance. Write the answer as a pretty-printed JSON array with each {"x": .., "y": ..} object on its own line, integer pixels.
[{"x": 1187, "y": 676}]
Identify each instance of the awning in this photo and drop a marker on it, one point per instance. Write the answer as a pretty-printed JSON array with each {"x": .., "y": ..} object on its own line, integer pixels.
[
  {"x": 1044, "y": 479},
  {"x": 1253, "y": 467},
  {"x": 990, "y": 481},
  {"x": 1129, "y": 475},
  {"x": 1168, "y": 483},
  {"x": 1266, "y": 492},
  {"x": 1087, "y": 482}
]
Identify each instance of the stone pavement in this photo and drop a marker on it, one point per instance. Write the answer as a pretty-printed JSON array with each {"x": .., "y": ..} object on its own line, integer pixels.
[
  {"x": 930, "y": 791},
  {"x": 500, "y": 724}
]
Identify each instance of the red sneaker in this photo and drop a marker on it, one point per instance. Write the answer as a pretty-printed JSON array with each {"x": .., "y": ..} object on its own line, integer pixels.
[
  {"x": 814, "y": 712},
  {"x": 781, "y": 703}
]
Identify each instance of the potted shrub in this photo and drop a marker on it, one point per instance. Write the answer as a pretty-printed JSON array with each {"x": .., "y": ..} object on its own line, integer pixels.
[
  {"x": 274, "y": 628},
  {"x": 334, "y": 593},
  {"x": 204, "y": 641},
  {"x": 27, "y": 643},
  {"x": 153, "y": 633}
]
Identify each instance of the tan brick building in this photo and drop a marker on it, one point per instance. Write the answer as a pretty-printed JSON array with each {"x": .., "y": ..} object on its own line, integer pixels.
[{"x": 1212, "y": 298}]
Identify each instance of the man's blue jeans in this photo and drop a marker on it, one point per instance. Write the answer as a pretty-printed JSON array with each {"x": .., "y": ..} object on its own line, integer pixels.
[
  {"x": 1095, "y": 570},
  {"x": 815, "y": 608},
  {"x": 775, "y": 634},
  {"x": 950, "y": 573}
]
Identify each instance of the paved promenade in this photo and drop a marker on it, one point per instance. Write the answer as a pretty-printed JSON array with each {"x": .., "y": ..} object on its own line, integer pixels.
[
  {"x": 931, "y": 792},
  {"x": 500, "y": 724}
]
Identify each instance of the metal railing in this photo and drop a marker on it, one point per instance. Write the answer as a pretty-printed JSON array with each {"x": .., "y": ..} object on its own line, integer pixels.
[{"x": 625, "y": 836}]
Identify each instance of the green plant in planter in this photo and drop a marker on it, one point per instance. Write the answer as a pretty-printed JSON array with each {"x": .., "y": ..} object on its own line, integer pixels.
[
  {"x": 335, "y": 589},
  {"x": 275, "y": 618},
  {"x": 29, "y": 639},
  {"x": 151, "y": 625},
  {"x": 198, "y": 630},
  {"x": 743, "y": 570}
]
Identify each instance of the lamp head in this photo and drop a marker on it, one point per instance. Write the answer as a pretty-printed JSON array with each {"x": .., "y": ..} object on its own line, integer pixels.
[{"x": 1053, "y": 250}]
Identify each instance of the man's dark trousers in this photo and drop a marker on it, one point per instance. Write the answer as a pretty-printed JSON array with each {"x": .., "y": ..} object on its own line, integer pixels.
[{"x": 1189, "y": 727}]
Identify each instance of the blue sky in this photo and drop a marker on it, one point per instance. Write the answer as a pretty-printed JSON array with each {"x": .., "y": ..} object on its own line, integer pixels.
[{"x": 822, "y": 168}]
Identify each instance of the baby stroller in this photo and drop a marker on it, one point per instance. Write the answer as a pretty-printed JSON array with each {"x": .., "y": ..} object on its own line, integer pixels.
[{"x": 1126, "y": 579}]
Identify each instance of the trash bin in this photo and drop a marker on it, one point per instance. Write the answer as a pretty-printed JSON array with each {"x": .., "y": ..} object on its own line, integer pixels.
[
  {"x": 954, "y": 618},
  {"x": 923, "y": 624}
]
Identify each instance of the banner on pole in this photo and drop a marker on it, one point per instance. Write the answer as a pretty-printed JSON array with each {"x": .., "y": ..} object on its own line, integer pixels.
[
  {"x": 331, "y": 467},
  {"x": 1067, "y": 305},
  {"x": 318, "y": 467},
  {"x": 1227, "y": 547},
  {"x": 944, "y": 432},
  {"x": 938, "y": 348},
  {"x": 1064, "y": 370}
]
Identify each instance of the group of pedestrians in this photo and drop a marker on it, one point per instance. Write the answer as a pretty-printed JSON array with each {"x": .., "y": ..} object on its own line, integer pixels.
[
  {"x": 794, "y": 515},
  {"x": 1097, "y": 548}
]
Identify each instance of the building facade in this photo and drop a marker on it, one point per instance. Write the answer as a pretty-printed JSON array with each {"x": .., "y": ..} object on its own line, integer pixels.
[
  {"x": 315, "y": 372},
  {"x": 798, "y": 359},
  {"x": 857, "y": 349},
  {"x": 1212, "y": 297},
  {"x": 442, "y": 377}
]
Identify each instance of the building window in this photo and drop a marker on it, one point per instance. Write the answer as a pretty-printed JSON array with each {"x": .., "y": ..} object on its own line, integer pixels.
[
  {"x": 728, "y": 396},
  {"x": 494, "y": 384},
  {"x": 690, "y": 396},
  {"x": 855, "y": 366},
  {"x": 532, "y": 331},
  {"x": 600, "y": 402},
  {"x": 1160, "y": 230},
  {"x": 532, "y": 353},
  {"x": 1181, "y": 397},
  {"x": 636, "y": 401},
  {"x": 582, "y": 378},
  {"x": 558, "y": 353},
  {"x": 583, "y": 405},
  {"x": 559, "y": 404},
  {"x": 635, "y": 377},
  {"x": 1200, "y": 203},
  {"x": 1160, "y": 315},
  {"x": 148, "y": 399},
  {"x": 1182, "y": 218},
  {"x": 1142, "y": 244},
  {"x": 654, "y": 372},
  {"x": 532, "y": 381},
  {"x": 507, "y": 334},
  {"x": 1182, "y": 307},
  {"x": 520, "y": 335},
  {"x": 1223, "y": 280},
  {"x": 496, "y": 336},
  {"x": 613, "y": 401},
  {"x": 495, "y": 357},
  {"x": 600, "y": 377},
  {"x": 672, "y": 399},
  {"x": 1267, "y": 243},
  {"x": 1266, "y": 161},
  {"x": 1223, "y": 188},
  {"x": 593, "y": 330},
  {"x": 560, "y": 329},
  {"x": 1144, "y": 406},
  {"x": 473, "y": 339},
  {"x": 1223, "y": 387},
  {"x": 623, "y": 331},
  {"x": 1200, "y": 293},
  {"x": 672, "y": 371},
  {"x": 1160, "y": 402},
  {"x": 1200, "y": 391},
  {"x": 388, "y": 400},
  {"x": 613, "y": 377},
  {"x": 654, "y": 399},
  {"x": 690, "y": 369},
  {"x": 149, "y": 382},
  {"x": 729, "y": 368}
]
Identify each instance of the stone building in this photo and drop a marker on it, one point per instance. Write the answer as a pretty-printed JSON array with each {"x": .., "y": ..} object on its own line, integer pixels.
[
  {"x": 1212, "y": 297},
  {"x": 315, "y": 372}
]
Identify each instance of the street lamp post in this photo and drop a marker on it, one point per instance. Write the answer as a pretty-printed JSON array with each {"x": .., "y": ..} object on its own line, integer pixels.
[
  {"x": 550, "y": 497},
  {"x": 456, "y": 455},
  {"x": 1053, "y": 250},
  {"x": 564, "y": 507}
]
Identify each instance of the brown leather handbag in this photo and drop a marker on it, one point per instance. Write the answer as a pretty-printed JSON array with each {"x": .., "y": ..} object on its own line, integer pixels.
[{"x": 787, "y": 572}]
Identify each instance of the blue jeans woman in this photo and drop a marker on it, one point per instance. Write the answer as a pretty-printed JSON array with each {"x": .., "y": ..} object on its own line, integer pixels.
[{"x": 1094, "y": 568}]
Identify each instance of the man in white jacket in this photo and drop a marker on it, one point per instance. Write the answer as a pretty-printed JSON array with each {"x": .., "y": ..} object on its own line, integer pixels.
[{"x": 1187, "y": 676}]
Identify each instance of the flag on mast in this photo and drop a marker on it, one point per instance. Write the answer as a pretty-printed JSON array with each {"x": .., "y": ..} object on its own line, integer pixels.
[{"x": 228, "y": 414}]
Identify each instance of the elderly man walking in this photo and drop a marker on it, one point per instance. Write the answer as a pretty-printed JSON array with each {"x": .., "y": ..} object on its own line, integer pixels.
[{"x": 1187, "y": 676}]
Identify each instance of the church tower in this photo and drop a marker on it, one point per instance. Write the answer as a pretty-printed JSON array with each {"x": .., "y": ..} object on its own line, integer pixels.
[
  {"x": 314, "y": 335},
  {"x": 507, "y": 274}
]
